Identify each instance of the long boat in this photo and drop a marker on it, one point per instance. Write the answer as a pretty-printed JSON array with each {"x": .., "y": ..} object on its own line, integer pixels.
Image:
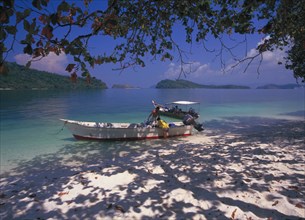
[
  {"x": 178, "y": 109},
  {"x": 123, "y": 131}
]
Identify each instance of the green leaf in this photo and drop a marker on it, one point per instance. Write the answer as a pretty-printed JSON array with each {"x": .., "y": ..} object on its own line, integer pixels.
[
  {"x": 19, "y": 16},
  {"x": 11, "y": 29},
  {"x": 33, "y": 25},
  {"x": 37, "y": 4},
  {"x": 84, "y": 74},
  {"x": 26, "y": 25},
  {"x": 44, "y": 3},
  {"x": 28, "y": 49},
  {"x": 63, "y": 6},
  {"x": 8, "y": 3},
  {"x": 23, "y": 42},
  {"x": 76, "y": 59},
  {"x": 26, "y": 13},
  {"x": 47, "y": 31},
  {"x": 2, "y": 34},
  {"x": 54, "y": 18},
  {"x": 70, "y": 67}
]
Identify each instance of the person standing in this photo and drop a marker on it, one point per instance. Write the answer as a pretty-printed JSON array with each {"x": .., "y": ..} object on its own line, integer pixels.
[{"x": 152, "y": 118}]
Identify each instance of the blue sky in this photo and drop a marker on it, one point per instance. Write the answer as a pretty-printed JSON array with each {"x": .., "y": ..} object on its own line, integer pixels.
[{"x": 206, "y": 66}]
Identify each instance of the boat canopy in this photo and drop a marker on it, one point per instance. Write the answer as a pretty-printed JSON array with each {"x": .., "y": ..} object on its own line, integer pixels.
[{"x": 183, "y": 103}]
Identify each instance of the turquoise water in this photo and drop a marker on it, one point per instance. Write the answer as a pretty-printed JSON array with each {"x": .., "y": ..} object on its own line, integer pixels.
[{"x": 30, "y": 126}]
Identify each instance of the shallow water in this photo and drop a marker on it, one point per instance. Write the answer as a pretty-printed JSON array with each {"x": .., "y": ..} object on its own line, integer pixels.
[{"x": 30, "y": 126}]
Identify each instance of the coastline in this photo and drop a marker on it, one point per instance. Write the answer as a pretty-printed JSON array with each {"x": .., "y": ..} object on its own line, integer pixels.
[{"x": 238, "y": 168}]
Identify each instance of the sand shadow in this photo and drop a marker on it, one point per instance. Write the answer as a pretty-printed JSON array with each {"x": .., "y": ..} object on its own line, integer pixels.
[{"x": 161, "y": 172}]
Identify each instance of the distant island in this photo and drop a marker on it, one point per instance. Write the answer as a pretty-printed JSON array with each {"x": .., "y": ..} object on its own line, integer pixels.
[
  {"x": 185, "y": 84},
  {"x": 22, "y": 78},
  {"x": 285, "y": 86},
  {"x": 124, "y": 86}
]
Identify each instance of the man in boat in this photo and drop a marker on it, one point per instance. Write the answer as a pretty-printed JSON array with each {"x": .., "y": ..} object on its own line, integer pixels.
[
  {"x": 152, "y": 118},
  {"x": 162, "y": 124}
]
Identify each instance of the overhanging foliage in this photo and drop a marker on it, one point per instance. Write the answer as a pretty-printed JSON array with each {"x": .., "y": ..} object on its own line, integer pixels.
[{"x": 146, "y": 27}]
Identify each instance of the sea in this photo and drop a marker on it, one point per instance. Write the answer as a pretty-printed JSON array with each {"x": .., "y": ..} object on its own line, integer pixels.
[{"x": 30, "y": 125}]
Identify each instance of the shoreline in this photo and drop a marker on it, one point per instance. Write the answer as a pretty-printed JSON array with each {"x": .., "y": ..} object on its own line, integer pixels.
[{"x": 238, "y": 168}]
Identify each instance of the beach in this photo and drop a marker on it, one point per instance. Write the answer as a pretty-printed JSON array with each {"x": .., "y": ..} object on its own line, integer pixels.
[{"x": 237, "y": 168}]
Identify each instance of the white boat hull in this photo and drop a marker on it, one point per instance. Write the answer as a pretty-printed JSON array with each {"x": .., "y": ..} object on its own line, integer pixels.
[{"x": 123, "y": 131}]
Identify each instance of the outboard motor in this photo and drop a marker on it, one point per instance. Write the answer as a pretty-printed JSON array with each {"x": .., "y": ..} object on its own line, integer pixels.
[
  {"x": 199, "y": 126},
  {"x": 189, "y": 120}
]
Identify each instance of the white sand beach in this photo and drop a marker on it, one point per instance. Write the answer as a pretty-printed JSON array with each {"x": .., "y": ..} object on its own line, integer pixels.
[{"x": 238, "y": 168}]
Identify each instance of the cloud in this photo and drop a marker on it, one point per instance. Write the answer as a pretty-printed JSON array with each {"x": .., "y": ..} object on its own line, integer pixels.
[
  {"x": 52, "y": 63},
  {"x": 191, "y": 70}
]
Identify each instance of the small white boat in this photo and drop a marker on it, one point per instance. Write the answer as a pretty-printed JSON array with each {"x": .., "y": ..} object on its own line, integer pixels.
[
  {"x": 123, "y": 131},
  {"x": 178, "y": 109}
]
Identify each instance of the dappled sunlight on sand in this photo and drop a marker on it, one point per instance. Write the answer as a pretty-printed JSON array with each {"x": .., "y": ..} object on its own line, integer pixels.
[{"x": 239, "y": 171}]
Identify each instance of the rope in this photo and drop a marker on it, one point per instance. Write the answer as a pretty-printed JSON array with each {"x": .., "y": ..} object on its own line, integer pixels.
[{"x": 61, "y": 128}]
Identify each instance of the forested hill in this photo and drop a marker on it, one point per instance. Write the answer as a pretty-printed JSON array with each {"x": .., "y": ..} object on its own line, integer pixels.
[
  {"x": 285, "y": 86},
  {"x": 184, "y": 84},
  {"x": 20, "y": 77}
]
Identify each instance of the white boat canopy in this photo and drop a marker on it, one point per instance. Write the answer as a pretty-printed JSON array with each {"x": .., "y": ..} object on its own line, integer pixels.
[{"x": 183, "y": 103}]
